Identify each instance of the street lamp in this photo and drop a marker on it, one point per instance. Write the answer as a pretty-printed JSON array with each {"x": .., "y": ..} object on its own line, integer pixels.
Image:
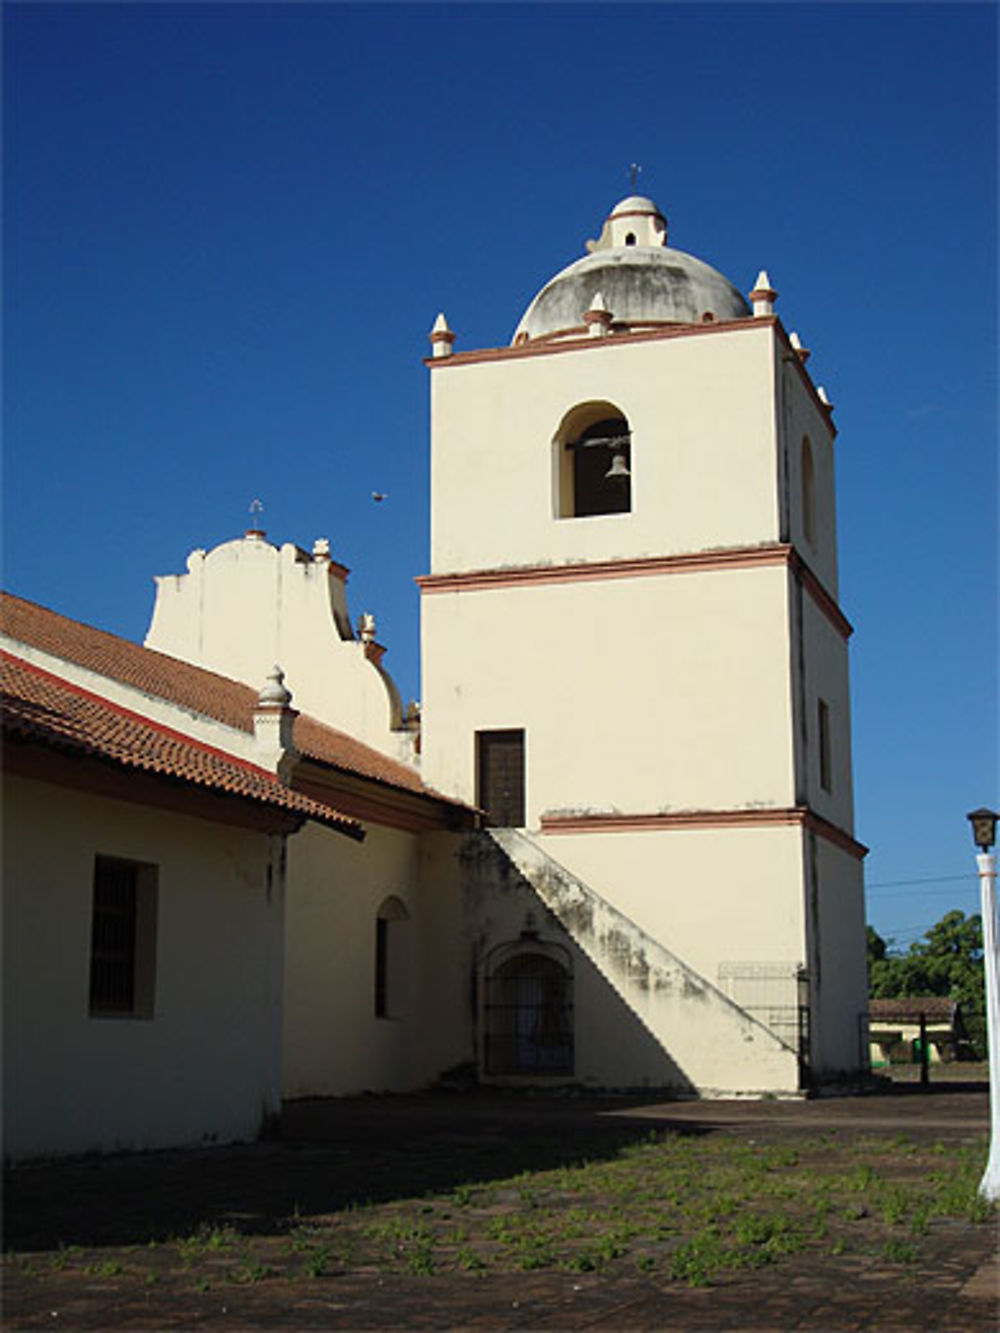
[{"x": 984, "y": 834}]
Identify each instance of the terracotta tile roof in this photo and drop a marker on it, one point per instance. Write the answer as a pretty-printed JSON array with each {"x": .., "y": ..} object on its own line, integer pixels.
[
  {"x": 194, "y": 688},
  {"x": 908, "y": 1009},
  {"x": 40, "y": 707}
]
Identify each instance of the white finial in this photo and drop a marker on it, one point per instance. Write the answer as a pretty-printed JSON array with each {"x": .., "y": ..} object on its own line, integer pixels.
[
  {"x": 274, "y": 693},
  {"x": 763, "y": 295},
  {"x": 441, "y": 337},
  {"x": 821, "y": 395},
  {"x": 366, "y": 627},
  {"x": 321, "y": 548},
  {"x": 597, "y": 316},
  {"x": 274, "y": 726},
  {"x": 801, "y": 352}
]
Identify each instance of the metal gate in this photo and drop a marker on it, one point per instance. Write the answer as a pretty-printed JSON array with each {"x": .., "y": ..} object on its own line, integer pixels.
[{"x": 529, "y": 1017}]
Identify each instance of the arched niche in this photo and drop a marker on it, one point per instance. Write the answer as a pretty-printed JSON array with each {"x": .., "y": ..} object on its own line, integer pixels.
[{"x": 392, "y": 958}]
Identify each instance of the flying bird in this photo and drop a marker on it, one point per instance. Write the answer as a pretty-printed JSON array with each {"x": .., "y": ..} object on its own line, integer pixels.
[{"x": 379, "y": 496}]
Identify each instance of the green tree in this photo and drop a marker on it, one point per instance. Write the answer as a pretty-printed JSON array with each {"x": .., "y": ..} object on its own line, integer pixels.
[{"x": 946, "y": 960}]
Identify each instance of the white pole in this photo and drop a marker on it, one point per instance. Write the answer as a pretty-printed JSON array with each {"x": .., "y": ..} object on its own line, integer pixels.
[{"x": 989, "y": 1186}]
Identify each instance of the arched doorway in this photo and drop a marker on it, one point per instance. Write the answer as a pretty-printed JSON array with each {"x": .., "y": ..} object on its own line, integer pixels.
[{"x": 528, "y": 1013}]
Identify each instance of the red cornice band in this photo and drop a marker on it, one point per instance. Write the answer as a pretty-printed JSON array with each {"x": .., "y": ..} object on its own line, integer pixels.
[
  {"x": 704, "y": 819},
  {"x": 543, "y": 346},
  {"x": 745, "y": 557}
]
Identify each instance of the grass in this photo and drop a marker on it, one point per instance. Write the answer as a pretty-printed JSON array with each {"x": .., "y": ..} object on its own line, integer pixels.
[{"x": 689, "y": 1209}]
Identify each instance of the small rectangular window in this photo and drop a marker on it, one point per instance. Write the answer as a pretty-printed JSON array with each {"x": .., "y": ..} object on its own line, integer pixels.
[
  {"x": 123, "y": 939},
  {"x": 500, "y": 777},
  {"x": 825, "y": 776}
]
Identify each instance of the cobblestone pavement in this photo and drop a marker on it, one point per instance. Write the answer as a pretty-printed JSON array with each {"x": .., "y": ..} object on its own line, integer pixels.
[{"x": 101, "y": 1202}]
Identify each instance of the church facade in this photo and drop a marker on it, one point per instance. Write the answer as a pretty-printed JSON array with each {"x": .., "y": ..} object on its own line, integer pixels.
[{"x": 616, "y": 848}]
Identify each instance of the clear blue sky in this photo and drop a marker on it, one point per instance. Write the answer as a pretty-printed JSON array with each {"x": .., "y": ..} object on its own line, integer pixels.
[{"x": 228, "y": 229}]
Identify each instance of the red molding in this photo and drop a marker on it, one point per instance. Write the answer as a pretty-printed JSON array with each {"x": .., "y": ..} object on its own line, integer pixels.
[
  {"x": 704, "y": 819},
  {"x": 821, "y": 597},
  {"x": 588, "y": 571},
  {"x": 737, "y": 557},
  {"x": 542, "y": 347}
]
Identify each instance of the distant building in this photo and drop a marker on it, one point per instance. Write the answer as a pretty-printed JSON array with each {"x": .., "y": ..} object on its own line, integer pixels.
[
  {"x": 616, "y": 850},
  {"x": 897, "y": 1026}
]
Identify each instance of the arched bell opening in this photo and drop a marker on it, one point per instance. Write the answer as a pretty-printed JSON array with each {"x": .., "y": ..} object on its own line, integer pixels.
[{"x": 593, "y": 462}]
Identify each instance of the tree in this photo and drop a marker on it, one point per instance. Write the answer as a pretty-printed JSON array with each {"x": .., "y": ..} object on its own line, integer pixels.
[{"x": 947, "y": 960}]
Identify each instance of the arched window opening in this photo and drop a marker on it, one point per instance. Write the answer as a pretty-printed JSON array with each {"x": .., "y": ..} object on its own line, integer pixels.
[
  {"x": 528, "y": 1017},
  {"x": 594, "y": 462},
  {"x": 630, "y": 238},
  {"x": 808, "y": 492},
  {"x": 391, "y": 958}
]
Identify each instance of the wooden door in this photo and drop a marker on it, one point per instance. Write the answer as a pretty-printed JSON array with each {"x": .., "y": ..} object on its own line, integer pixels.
[{"x": 500, "y": 777}]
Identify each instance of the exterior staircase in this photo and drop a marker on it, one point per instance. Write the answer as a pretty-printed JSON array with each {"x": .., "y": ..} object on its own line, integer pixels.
[{"x": 721, "y": 1049}]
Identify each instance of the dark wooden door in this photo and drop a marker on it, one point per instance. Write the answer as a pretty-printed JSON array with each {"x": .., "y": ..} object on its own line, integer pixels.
[{"x": 500, "y": 777}]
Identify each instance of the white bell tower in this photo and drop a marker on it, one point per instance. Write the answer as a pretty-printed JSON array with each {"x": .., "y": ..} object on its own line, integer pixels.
[{"x": 632, "y": 644}]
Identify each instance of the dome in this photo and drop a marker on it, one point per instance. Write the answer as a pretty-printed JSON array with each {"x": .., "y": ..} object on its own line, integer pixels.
[
  {"x": 635, "y": 203},
  {"x": 640, "y": 279}
]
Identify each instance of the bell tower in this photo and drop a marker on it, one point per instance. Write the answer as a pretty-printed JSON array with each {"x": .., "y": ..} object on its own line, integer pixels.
[{"x": 633, "y": 649}]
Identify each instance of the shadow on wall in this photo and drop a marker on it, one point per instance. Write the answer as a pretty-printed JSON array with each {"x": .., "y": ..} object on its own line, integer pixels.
[{"x": 611, "y": 1046}]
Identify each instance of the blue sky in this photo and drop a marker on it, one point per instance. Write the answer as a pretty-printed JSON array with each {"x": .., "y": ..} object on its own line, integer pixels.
[{"x": 228, "y": 229}]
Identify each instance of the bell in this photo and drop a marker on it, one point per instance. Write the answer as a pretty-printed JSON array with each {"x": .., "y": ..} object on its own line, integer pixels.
[{"x": 618, "y": 468}]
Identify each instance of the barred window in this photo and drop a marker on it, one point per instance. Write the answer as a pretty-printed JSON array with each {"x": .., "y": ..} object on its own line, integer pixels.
[{"x": 122, "y": 938}]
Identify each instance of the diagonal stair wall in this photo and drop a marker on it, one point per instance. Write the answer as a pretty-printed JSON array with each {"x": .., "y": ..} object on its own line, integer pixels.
[{"x": 720, "y": 1048}]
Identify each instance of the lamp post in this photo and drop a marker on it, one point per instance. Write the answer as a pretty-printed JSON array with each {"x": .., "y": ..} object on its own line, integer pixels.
[{"x": 984, "y": 831}]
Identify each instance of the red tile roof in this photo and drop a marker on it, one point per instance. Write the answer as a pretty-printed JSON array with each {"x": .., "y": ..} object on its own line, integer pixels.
[
  {"x": 41, "y": 707},
  {"x": 192, "y": 687},
  {"x": 909, "y": 1008}
]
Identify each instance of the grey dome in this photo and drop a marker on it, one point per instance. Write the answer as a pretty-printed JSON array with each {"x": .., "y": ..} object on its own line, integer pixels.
[{"x": 640, "y": 284}]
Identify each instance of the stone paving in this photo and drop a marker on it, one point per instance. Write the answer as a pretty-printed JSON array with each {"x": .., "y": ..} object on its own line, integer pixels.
[{"x": 956, "y": 1285}]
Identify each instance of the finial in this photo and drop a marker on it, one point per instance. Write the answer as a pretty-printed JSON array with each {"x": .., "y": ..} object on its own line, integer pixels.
[
  {"x": 821, "y": 395},
  {"x": 801, "y": 352},
  {"x": 256, "y": 522},
  {"x": 273, "y": 693},
  {"x": 441, "y": 337},
  {"x": 763, "y": 295},
  {"x": 597, "y": 316},
  {"x": 633, "y": 173},
  {"x": 321, "y": 548},
  {"x": 366, "y": 627}
]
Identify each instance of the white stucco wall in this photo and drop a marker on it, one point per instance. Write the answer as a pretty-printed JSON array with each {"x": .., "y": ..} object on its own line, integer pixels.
[
  {"x": 802, "y": 417},
  {"x": 704, "y": 461},
  {"x": 838, "y": 964},
  {"x": 825, "y": 676},
  {"x": 206, "y": 1066},
  {"x": 636, "y": 694},
  {"x": 709, "y": 895},
  {"x": 246, "y": 605},
  {"x": 333, "y": 1042}
]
